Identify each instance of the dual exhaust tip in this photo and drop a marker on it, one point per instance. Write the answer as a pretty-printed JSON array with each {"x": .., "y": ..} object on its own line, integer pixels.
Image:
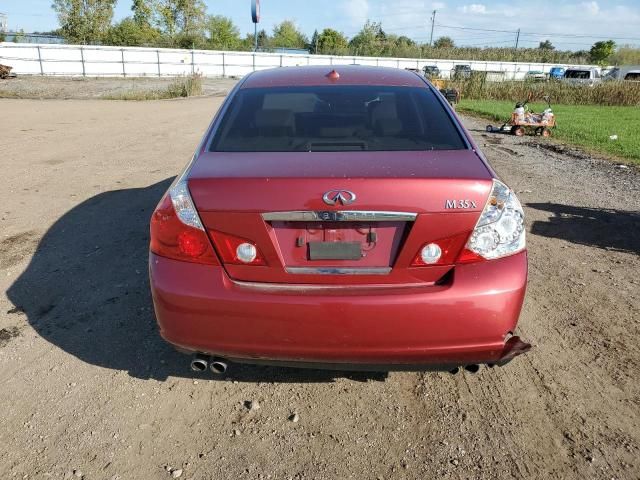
[
  {"x": 200, "y": 363},
  {"x": 472, "y": 368},
  {"x": 218, "y": 366}
]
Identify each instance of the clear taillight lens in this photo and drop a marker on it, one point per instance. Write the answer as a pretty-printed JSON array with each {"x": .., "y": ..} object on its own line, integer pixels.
[
  {"x": 500, "y": 228},
  {"x": 183, "y": 205},
  {"x": 236, "y": 250}
]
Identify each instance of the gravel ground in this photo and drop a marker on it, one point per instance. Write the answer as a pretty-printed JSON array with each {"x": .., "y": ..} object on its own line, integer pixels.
[
  {"x": 25, "y": 86},
  {"x": 90, "y": 391}
]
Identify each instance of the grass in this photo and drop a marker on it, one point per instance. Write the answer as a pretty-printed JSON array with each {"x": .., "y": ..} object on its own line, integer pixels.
[
  {"x": 188, "y": 86},
  {"x": 604, "y": 93},
  {"x": 586, "y": 126}
]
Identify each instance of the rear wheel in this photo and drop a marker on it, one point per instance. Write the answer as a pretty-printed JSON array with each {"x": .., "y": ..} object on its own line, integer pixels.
[
  {"x": 490, "y": 128},
  {"x": 546, "y": 132},
  {"x": 517, "y": 131}
]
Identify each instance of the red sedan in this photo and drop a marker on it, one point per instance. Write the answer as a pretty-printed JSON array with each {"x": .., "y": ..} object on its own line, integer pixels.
[{"x": 339, "y": 218}]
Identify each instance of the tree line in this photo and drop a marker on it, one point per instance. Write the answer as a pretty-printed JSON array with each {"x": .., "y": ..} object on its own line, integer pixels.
[{"x": 186, "y": 24}]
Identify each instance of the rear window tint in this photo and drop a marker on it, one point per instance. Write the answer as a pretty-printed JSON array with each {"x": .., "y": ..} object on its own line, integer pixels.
[
  {"x": 632, "y": 76},
  {"x": 336, "y": 118},
  {"x": 580, "y": 74}
]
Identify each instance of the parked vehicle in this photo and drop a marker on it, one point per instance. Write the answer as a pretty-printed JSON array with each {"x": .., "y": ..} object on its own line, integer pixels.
[
  {"x": 557, "y": 73},
  {"x": 582, "y": 76},
  {"x": 626, "y": 72},
  {"x": 340, "y": 219},
  {"x": 461, "y": 71},
  {"x": 431, "y": 71},
  {"x": 536, "y": 76}
]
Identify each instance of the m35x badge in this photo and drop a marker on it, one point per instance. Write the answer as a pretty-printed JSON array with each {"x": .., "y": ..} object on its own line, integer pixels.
[{"x": 459, "y": 204}]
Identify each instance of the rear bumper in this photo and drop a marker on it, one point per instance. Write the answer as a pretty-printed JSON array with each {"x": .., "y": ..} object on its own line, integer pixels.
[{"x": 468, "y": 321}]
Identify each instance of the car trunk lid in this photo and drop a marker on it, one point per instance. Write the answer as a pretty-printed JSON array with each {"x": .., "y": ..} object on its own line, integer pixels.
[{"x": 279, "y": 202}]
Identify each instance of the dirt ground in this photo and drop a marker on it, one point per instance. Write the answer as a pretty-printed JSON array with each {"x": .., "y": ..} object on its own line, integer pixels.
[
  {"x": 89, "y": 390},
  {"x": 33, "y": 86}
]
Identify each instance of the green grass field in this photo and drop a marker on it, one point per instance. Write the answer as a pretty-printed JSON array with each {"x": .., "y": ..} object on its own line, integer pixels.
[{"x": 586, "y": 126}]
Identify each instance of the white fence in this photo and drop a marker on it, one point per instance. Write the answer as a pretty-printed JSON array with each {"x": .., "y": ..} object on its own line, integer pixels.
[{"x": 101, "y": 61}]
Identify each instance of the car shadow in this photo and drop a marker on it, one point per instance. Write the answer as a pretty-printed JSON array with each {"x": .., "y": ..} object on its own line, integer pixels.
[
  {"x": 86, "y": 290},
  {"x": 609, "y": 229}
]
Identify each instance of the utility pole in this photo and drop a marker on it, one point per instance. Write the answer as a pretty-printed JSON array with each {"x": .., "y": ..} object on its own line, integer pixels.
[
  {"x": 433, "y": 21},
  {"x": 517, "y": 38}
]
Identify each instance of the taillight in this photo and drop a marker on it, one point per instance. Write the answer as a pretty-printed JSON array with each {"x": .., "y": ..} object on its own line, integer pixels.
[
  {"x": 176, "y": 229},
  {"x": 439, "y": 252},
  {"x": 500, "y": 228},
  {"x": 498, "y": 233},
  {"x": 236, "y": 250}
]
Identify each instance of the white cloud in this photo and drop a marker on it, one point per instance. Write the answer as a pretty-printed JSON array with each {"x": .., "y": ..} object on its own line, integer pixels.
[
  {"x": 538, "y": 21},
  {"x": 474, "y": 8},
  {"x": 591, "y": 7},
  {"x": 357, "y": 11}
]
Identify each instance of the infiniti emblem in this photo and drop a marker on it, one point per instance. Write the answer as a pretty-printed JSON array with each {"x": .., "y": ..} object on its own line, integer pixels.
[{"x": 343, "y": 197}]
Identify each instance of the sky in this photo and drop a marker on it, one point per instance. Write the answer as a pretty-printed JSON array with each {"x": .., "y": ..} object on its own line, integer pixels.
[{"x": 569, "y": 24}]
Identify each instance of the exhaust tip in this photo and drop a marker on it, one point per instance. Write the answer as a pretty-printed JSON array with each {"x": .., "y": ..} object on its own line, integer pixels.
[
  {"x": 472, "y": 368},
  {"x": 199, "y": 363},
  {"x": 218, "y": 366}
]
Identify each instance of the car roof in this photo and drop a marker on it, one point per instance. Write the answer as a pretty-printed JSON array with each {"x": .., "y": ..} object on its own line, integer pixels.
[{"x": 319, "y": 75}]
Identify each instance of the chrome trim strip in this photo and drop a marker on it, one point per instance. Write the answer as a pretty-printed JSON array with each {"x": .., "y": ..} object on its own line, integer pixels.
[
  {"x": 310, "y": 287},
  {"x": 338, "y": 270},
  {"x": 339, "y": 216}
]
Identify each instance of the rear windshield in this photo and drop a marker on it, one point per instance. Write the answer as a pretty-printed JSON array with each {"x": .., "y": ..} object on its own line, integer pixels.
[
  {"x": 336, "y": 118},
  {"x": 580, "y": 74}
]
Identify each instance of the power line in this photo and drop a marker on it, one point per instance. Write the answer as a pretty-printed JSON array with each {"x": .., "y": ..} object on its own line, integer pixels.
[{"x": 538, "y": 34}]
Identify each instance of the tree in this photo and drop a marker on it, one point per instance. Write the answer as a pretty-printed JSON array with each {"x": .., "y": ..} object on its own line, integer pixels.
[
  {"x": 331, "y": 41},
  {"x": 182, "y": 18},
  {"x": 143, "y": 12},
  {"x": 601, "y": 51},
  {"x": 222, "y": 33},
  {"x": 131, "y": 33},
  {"x": 404, "y": 41},
  {"x": 444, "y": 42},
  {"x": 85, "y": 21},
  {"x": 286, "y": 35},
  {"x": 546, "y": 45},
  {"x": 313, "y": 44},
  {"x": 249, "y": 42},
  {"x": 369, "y": 41}
]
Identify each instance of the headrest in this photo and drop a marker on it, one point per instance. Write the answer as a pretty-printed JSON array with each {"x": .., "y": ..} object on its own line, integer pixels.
[{"x": 270, "y": 118}]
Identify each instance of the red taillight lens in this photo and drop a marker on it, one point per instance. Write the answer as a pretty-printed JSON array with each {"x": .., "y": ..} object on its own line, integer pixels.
[
  {"x": 450, "y": 248},
  {"x": 173, "y": 239},
  {"x": 467, "y": 256},
  {"x": 227, "y": 246}
]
